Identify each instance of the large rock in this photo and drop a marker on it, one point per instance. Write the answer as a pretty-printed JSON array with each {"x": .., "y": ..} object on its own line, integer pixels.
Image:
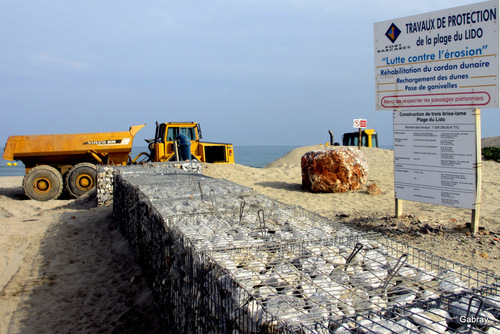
[{"x": 337, "y": 170}]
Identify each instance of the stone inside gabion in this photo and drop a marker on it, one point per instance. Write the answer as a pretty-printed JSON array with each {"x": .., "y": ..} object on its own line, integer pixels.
[{"x": 263, "y": 265}]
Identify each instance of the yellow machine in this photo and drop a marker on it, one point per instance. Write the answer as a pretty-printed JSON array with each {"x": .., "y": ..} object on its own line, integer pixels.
[
  {"x": 68, "y": 161},
  {"x": 50, "y": 157},
  {"x": 165, "y": 146},
  {"x": 368, "y": 138}
]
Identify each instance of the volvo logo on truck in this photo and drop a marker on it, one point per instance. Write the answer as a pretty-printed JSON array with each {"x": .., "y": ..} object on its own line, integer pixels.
[{"x": 103, "y": 142}]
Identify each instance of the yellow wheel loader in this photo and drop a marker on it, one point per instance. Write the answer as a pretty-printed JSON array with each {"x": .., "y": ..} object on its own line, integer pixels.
[{"x": 164, "y": 147}]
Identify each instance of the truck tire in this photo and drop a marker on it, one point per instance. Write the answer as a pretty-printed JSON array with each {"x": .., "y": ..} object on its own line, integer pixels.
[
  {"x": 81, "y": 178},
  {"x": 43, "y": 183}
]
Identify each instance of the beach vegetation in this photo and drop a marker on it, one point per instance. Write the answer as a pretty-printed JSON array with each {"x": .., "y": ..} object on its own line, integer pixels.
[{"x": 491, "y": 153}]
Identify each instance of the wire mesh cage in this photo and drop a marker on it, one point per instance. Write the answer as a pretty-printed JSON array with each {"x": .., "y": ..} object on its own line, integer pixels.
[
  {"x": 162, "y": 168},
  {"x": 210, "y": 203},
  {"x": 344, "y": 277},
  {"x": 239, "y": 262},
  {"x": 238, "y": 229},
  {"x": 473, "y": 311},
  {"x": 181, "y": 185}
]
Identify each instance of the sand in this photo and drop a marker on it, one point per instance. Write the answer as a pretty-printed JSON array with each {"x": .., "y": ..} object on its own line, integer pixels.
[{"x": 65, "y": 268}]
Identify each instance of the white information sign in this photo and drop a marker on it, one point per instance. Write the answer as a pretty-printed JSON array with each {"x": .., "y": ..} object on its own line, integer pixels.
[
  {"x": 446, "y": 59},
  {"x": 434, "y": 157}
]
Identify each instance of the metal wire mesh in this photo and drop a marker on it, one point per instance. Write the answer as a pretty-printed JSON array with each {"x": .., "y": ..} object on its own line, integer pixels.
[
  {"x": 239, "y": 262},
  {"x": 310, "y": 284},
  {"x": 236, "y": 204},
  {"x": 162, "y": 168},
  {"x": 181, "y": 185},
  {"x": 233, "y": 230},
  {"x": 474, "y": 311}
]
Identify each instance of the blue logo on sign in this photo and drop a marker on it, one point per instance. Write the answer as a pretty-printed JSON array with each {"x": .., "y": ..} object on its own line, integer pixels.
[{"x": 393, "y": 33}]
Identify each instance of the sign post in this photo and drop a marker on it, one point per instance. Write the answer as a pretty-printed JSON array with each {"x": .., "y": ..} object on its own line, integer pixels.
[
  {"x": 479, "y": 175},
  {"x": 434, "y": 71},
  {"x": 359, "y": 124}
]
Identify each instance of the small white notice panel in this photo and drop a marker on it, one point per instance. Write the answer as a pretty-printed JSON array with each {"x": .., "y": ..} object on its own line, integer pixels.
[
  {"x": 359, "y": 123},
  {"x": 434, "y": 157}
]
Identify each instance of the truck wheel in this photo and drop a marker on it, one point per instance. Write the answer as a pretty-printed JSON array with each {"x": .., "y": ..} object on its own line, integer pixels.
[
  {"x": 43, "y": 183},
  {"x": 81, "y": 178}
]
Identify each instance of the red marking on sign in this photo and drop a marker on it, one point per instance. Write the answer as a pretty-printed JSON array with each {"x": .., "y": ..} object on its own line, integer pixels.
[{"x": 359, "y": 123}]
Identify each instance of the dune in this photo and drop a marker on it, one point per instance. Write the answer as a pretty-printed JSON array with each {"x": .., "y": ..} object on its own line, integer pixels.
[{"x": 65, "y": 268}]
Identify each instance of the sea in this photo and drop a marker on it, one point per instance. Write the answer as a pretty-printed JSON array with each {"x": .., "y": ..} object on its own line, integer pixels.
[{"x": 252, "y": 156}]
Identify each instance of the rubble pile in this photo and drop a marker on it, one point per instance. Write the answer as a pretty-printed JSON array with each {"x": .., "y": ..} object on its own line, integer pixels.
[
  {"x": 105, "y": 174},
  {"x": 104, "y": 184}
]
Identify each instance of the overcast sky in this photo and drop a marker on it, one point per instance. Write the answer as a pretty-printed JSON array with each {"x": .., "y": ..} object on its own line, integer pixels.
[{"x": 252, "y": 72}]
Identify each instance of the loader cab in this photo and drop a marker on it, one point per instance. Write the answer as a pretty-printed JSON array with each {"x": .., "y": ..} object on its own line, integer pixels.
[
  {"x": 173, "y": 132},
  {"x": 166, "y": 133},
  {"x": 368, "y": 138}
]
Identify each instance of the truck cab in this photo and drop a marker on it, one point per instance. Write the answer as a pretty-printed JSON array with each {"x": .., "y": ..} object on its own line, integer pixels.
[{"x": 163, "y": 147}]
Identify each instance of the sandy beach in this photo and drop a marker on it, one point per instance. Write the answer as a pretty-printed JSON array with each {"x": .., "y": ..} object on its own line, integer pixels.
[{"x": 65, "y": 268}]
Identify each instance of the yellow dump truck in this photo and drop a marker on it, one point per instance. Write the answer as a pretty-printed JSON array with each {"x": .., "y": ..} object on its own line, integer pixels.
[
  {"x": 50, "y": 157},
  {"x": 68, "y": 161}
]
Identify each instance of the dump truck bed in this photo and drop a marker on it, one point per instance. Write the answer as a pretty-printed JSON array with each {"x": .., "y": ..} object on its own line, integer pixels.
[{"x": 109, "y": 147}]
